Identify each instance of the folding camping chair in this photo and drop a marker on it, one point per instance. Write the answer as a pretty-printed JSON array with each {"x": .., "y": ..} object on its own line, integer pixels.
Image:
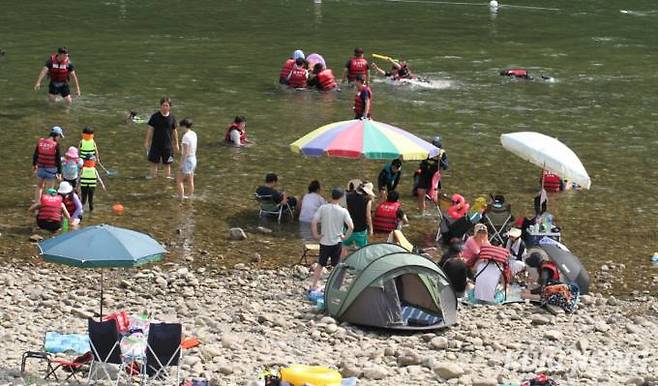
[
  {"x": 309, "y": 249},
  {"x": 163, "y": 350},
  {"x": 268, "y": 207},
  {"x": 454, "y": 229},
  {"x": 498, "y": 219},
  {"x": 104, "y": 342},
  {"x": 73, "y": 367}
]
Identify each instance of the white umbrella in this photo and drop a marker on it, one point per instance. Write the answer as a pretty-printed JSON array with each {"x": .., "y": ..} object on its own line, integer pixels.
[{"x": 548, "y": 153}]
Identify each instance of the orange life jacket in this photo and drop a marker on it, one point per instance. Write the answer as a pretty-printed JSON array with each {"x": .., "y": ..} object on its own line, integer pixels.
[
  {"x": 326, "y": 79},
  {"x": 46, "y": 151},
  {"x": 59, "y": 71},
  {"x": 285, "y": 70},
  {"x": 51, "y": 208},
  {"x": 386, "y": 217}
]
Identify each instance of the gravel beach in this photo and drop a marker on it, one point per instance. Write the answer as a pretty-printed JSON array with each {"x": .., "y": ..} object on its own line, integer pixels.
[{"x": 249, "y": 319}]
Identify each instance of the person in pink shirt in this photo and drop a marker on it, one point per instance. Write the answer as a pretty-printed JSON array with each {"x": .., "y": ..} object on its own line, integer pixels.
[{"x": 474, "y": 243}]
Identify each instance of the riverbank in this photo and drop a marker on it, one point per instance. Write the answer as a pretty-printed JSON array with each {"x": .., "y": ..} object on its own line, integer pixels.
[{"x": 250, "y": 318}]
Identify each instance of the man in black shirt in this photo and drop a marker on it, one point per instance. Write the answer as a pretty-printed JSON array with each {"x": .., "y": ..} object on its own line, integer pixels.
[
  {"x": 59, "y": 69},
  {"x": 162, "y": 138},
  {"x": 268, "y": 191}
]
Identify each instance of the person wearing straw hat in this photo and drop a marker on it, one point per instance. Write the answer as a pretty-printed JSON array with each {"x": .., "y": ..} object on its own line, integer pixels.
[
  {"x": 359, "y": 205},
  {"x": 515, "y": 244}
]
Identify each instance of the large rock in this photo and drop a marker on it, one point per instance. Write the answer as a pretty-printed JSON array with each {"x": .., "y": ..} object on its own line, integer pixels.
[
  {"x": 375, "y": 372},
  {"x": 448, "y": 370},
  {"x": 237, "y": 234},
  {"x": 439, "y": 343}
]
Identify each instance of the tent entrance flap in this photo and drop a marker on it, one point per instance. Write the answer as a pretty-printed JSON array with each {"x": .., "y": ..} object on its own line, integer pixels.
[{"x": 378, "y": 306}]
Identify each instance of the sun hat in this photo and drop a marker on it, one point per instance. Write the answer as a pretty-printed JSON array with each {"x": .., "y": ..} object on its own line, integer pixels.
[
  {"x": 65, "y": 188},
  {"x": 480, "y": 228},
  {"x": 72, "y": 152},
  {"x": 367, "y": 188},
  {"x": 353, "y": 184},
  {"x": 57, "y": 130},
  {"x": 514, "y": 232}
]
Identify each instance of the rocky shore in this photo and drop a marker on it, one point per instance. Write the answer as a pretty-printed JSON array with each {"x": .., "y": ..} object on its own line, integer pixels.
[{"x": 249, "y": 319}]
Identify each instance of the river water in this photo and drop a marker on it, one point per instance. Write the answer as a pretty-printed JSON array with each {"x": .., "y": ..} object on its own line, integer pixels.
[{"x": 218, "y": 59}]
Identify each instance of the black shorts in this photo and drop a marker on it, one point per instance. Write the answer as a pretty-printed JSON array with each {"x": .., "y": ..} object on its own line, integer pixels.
[
  {"x": 49, "y": 225},
  {"x": 61, "y": 89},
  {"x": 166, "y": 156},
  {"x": 330, "y": 252}
]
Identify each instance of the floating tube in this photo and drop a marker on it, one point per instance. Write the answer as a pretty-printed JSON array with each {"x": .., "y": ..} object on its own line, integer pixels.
[
  {"x": 299, "y": 375},
  {"x": 314, "y": 58}
]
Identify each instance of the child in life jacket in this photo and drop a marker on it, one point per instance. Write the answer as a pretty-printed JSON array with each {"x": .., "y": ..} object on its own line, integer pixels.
[
  {"x": 389, "y": 215},
  {"x": 71, "y": 166},
  {"x": 89, "y": 177},
  {"x": 547, "y": 270},
  {"x": 88, "y": 144},
  {"x": 236, "y": 134}
]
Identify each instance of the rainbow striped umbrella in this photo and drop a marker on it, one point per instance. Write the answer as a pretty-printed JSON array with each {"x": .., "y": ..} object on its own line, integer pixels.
[{"x": 363, "y": 139}]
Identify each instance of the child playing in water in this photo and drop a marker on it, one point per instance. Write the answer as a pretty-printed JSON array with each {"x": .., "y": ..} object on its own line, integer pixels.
[
  {"x": 188, "y": 160},
  {"x": 88, "y": 144},
  {"x": 71, "y": 166},
  {"x": 88, "y": 178}
]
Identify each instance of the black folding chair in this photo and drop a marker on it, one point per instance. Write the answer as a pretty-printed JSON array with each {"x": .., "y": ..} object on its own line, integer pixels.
[
  {"x": 498, "y": 219},
  {"x": 164, "y": 350},
  {"x": 267, "y": 206},
  {"x": 104, "y": 343}
]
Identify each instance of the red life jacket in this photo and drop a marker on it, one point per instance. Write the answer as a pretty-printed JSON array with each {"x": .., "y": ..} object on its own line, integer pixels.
[
  {"x": 498, "y": 255},
  {"x": 297, "y": 77},
  {"x": 386, "y": 217},
  {"x": 51, "y": 208},
  {"x": 358, "y": 66},
  {"x": 326, "y": 79},
  {"x": 551, "y": 266},
  {"x": 285, "y": 70},
  {"x": 552, "y": 182},
  {"x": 243, "y": 133},
  {"x": 46, "y": 151},
  {"x": 359, "y": 105},
  {"x": 69, "y": 203},
  {"x": 518, "y": 72},
  {"x": 59, "y": 71}
]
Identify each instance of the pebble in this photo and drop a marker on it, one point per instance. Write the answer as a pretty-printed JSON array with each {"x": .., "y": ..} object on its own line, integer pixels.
[
  {"x": 237, "y": 234},
  {"x": 448, "y": 370}
]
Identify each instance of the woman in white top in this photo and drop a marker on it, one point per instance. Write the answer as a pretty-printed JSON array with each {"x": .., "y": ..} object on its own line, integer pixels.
[
  {"x": 310, "y": 204},
  {"x": 188, "y": 160}
]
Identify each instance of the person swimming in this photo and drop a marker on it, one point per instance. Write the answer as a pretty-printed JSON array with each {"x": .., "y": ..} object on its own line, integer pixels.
[
  {"x": 522, "y": 73},
  {"x": 399, "y": 70}
]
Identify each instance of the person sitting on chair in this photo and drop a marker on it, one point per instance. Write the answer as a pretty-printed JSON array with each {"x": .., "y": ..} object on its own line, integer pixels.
[
  {"x": 459, "y": 207},
  {"x": 279, "y": 198},
  {"x": 474, "y": 243},
  {"x": 389, "y": 215},
  {"x": 515, "y": 244}
]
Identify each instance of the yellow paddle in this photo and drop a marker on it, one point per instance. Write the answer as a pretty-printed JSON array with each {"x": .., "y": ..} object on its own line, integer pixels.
[{"x": 383, "y": 57}]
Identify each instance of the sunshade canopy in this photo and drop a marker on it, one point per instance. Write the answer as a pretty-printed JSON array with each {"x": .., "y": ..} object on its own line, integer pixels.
[
  {"x": 363, "y": 139},
  {"x": 102, "y": 246},
  {"x": 547, "y": 153}
]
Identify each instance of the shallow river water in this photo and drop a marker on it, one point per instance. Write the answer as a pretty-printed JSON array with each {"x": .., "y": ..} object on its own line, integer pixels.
[{"x": 217, "y": 59}]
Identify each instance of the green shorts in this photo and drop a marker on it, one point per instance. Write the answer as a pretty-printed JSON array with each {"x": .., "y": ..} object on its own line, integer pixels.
[{"x": 360, "y": 239}]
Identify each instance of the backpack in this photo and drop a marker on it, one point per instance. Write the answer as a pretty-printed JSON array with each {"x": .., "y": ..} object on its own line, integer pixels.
[{"x": 561, "y": 295}]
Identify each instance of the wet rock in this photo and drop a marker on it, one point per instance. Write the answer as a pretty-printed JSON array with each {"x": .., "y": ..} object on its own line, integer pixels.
[
  {"x": 264, "y": 230},
  {"x": 237, "y": 234},
  {"x": 256, "y": 258}
]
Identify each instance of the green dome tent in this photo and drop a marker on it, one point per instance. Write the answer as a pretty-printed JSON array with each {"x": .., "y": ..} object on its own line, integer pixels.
[{"x": 382, "y": 285}]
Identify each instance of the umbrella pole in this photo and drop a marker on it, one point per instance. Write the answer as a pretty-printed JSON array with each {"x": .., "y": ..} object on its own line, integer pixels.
[{"x": 101, "y": 313}]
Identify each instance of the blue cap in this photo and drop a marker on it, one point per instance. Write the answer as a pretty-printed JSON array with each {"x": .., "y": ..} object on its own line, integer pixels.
[
  {"x": 298, "y": 54},
  {"x": 57, "y": 130}
]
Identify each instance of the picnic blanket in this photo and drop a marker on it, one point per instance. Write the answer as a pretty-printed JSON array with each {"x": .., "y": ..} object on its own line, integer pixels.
[{"x": 513, "y": 296}]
